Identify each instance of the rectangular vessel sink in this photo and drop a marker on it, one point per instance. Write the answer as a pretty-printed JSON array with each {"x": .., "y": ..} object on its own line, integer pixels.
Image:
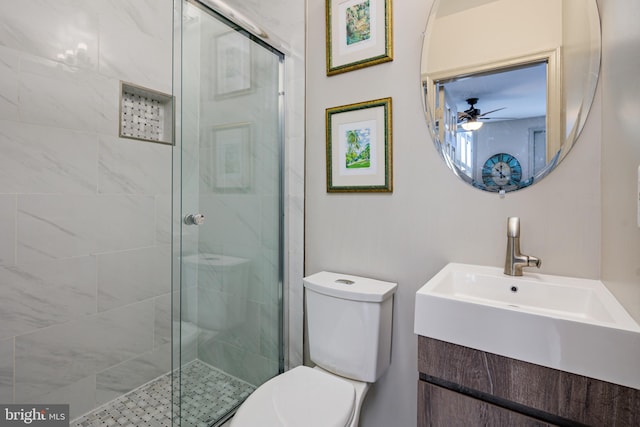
[{"x": 566, "y": 323}]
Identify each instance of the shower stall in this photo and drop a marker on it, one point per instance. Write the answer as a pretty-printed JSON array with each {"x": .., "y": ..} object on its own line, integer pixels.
[
  {"x": 228, "y": 214},
  {"x": 120, "y": 122}
]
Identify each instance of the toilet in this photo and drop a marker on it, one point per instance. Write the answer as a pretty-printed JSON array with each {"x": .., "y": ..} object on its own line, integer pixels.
[{"x": 349, "y": 322}]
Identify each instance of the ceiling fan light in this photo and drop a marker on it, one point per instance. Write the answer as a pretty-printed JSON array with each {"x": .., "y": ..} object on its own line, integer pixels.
[{"x": 471, "y": 125}]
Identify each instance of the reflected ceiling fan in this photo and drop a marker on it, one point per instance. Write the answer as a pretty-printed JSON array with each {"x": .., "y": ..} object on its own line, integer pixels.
[{"x": 470, "y": 118}]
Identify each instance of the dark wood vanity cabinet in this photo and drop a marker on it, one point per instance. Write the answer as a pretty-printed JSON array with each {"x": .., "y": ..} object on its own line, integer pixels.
[
  {"x": 460, "y": 386},
  {"x": 439, "y": 406}
]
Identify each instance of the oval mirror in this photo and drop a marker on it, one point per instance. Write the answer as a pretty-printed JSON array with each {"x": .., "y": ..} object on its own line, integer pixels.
[{"x": 508, "y": 84}]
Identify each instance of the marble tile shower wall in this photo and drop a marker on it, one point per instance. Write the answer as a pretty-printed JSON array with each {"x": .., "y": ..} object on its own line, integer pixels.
[{"x": 84, "y": 215}]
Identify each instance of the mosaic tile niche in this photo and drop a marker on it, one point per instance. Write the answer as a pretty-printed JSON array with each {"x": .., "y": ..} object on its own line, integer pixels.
[{"x": 145, "y": 114}]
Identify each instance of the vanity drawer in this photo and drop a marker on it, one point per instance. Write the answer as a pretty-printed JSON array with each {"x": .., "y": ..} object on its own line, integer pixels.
[{"x": 440, "y": 407}]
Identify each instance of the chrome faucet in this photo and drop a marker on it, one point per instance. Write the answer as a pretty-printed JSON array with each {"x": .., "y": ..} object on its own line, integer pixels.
[{"x": 515, "y": 261}]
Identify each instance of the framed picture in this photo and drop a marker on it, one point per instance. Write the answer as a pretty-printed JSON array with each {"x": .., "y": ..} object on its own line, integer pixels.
[
  {"x": 359, "y": 34},
  {"x": 225, "y": 163},
  {"x": 232, "y": 68},
  {"x": 359, "y": 147}
]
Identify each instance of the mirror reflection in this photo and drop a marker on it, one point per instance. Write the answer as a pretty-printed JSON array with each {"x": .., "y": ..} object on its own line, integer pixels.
[
  {"x": 493, "y": 126},
  {"x": 508, "y": 84}
]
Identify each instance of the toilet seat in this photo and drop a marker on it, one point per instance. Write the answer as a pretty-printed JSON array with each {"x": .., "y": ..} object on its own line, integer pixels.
[{"x": 300, "y": 397}]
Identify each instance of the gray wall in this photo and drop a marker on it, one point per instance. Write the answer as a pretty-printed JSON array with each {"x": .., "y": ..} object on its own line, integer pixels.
[
  {"x": 432, "y": 218},
  {"x": 84, "y": 215},
  {"x": 621, "y": 151}
]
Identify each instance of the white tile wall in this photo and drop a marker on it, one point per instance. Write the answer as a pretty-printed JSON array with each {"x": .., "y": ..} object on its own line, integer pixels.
[
  {"x": 57, "y": 95},
  {"x": 9, "y": 64},
  {"x": 81, "y": 393},
  {"x": 61, "y": 226},
  {"x": 162, "y": 320},
  {"x": 163, "y": 218},
  {"x": 63, "y": 354},
  {"x": 6, "y": 370},
  {"x": 7, "y": 229},
  {"x": 49, "y": 29},
  {"x": 130, "y": 374},
  {"x": 120, "y": 170},
  {"x": 125, "y": 277},
  {"x": 131, "y": 30},
  {"x": 37, "y": 294},
  {"x": 41, "y": 159},
  {"x": 84, "y": 215}
]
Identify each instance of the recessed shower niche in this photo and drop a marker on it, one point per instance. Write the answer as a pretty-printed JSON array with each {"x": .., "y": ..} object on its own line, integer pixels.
[{"x": 145, "y": 114}]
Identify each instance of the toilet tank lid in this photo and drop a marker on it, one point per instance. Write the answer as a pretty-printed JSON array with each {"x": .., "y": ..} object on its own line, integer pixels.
[{"x": 349, "y": 287}]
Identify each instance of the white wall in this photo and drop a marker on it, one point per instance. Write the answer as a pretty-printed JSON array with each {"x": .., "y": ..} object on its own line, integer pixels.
[{"x": 433, "y": 218}]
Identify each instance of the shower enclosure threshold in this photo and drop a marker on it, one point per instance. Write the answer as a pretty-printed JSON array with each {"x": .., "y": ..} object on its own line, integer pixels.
[{"x": 208, "y": 396}]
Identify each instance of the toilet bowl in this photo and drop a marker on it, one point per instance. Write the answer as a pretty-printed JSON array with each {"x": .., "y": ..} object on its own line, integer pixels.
[
  {"x": 303, "y": 396},
  {"x": 349, "y": 323}
]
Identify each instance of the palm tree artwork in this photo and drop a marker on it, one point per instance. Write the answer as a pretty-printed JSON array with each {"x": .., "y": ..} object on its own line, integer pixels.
[{"x": 358, "y": 153}]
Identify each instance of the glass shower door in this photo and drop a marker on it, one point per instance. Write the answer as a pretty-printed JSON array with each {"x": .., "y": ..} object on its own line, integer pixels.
[{"x": 230, "y": 145}]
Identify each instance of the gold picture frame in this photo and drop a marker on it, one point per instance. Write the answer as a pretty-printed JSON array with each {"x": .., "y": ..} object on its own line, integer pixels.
[
  {"x": 359, "y": 147},
  {"x": 359, "y": 34}
]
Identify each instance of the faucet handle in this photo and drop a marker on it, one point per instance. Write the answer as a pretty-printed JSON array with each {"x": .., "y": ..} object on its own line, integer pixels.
[
  {"x": 513, "y": 226},
  {"x": 534, "y": 261}
]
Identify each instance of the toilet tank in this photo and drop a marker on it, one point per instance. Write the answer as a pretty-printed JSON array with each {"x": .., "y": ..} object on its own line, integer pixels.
[{"x": 349, "y": 320}]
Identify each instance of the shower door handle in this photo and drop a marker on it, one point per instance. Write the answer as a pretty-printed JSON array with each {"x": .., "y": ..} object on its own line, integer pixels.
[{"x": 194, "y": 219}]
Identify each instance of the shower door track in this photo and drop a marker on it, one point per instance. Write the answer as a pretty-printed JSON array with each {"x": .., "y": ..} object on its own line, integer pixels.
[{"x": 241, "y": 23}]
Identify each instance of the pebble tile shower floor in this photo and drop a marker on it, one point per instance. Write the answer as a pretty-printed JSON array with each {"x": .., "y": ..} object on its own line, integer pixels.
[{"x": 208, "y": 394}]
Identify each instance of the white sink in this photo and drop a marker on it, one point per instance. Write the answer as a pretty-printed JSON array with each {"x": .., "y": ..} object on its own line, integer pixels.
[{"x": 565, "y": 323}]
